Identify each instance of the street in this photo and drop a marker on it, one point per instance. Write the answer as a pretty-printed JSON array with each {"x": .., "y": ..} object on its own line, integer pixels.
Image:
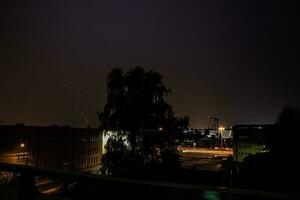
[{"x": 203, "y": 159}]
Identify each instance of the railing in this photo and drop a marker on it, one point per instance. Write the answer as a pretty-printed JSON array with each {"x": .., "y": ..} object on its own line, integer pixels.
[{"x": 133, "y": 188}]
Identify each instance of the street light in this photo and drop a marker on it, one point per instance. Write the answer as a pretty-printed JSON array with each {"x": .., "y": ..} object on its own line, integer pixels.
[
  {"x": 221, "y": 129},
  {"x": 22, "y": 145}
]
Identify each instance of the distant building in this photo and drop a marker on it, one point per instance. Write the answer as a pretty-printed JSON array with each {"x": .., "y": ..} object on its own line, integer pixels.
[
  {"x": 249, "y": 140},
  {"x": 207, "y": 138},
  {"x": 51, "y": 147}
]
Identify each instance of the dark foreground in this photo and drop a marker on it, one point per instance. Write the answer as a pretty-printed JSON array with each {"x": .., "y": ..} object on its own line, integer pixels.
[
  {"x": 97, "y": 187},
  {"x": 151, "y": 190}
]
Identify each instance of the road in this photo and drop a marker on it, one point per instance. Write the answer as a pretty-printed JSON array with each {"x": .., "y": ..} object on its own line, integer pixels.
[
  {"x": 21, "y": 158},
  {"x": 203, "y": 159}
]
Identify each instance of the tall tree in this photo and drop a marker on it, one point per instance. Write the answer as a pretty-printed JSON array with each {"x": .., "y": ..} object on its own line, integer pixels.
[
  {"x": 136, "y": 108},
  {"x": 284, "y": 139}
]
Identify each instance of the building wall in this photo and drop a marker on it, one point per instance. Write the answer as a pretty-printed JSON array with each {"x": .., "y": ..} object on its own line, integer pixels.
[
  {"x": 249, "y": 140},
  {"x": 51, "y": 147}
]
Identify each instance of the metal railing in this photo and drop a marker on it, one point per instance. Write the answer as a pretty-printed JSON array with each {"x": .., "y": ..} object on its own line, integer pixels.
[{"x": 133, "y": 184}]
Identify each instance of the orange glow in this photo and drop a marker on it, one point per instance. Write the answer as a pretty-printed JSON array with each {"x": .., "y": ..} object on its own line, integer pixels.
[{"x": 221, "y": 128}]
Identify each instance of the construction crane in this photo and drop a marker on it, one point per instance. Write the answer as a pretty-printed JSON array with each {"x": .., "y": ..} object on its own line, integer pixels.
[
  {"x": 215, "y": 121},
  {"x": 217, "y": 129}
]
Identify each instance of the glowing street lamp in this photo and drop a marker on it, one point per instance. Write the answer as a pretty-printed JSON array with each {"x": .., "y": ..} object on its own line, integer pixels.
[
  {"x": 22, "y": 145},
  {"x": 221, "y": 129}
]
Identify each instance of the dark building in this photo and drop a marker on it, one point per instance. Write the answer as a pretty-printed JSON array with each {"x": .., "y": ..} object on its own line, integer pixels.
[
  {"x": 51, "y": 147},
  {"x": 207, "y": 138},
  {"x": 249, "y": 139}
]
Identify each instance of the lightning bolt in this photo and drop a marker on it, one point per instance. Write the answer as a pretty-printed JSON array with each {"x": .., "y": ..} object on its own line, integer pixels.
[
  {"x": 76, "y": 99},
  {"x": 63, "y": 82}
]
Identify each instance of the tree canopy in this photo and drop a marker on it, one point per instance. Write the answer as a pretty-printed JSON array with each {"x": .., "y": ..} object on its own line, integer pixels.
[
  {"x": 136, "y": 108},
  {"x": 285, "y": 139}
]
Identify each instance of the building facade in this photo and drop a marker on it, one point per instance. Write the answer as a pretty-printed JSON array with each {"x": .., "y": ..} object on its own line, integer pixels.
[
  {"x": 249, "y": 140},
  {"x": 51, "y": 147}
]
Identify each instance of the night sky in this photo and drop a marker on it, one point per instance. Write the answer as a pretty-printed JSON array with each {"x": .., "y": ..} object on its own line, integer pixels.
[{"x": 236, "y": 60}]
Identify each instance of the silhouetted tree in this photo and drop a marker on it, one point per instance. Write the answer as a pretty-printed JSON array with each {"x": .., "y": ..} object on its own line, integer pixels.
[
  {"x": 136, "y": 108},
  {"x": 115, "y": 159},
  {"x": 284, "y": 143},
  {"x": 284, "y": 139}
]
